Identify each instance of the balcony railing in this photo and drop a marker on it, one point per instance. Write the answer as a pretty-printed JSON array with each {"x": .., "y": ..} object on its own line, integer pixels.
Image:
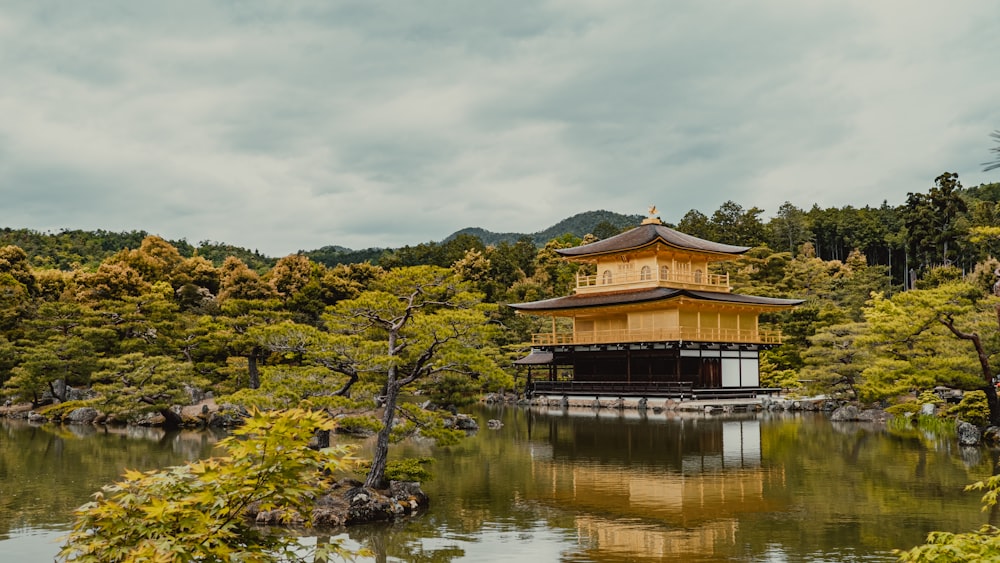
[
  {"x": 602, "y": 282},
  {"x": 742, "y": 336}
]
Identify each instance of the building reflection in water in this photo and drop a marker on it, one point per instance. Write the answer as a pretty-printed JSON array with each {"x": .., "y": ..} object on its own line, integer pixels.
[{"x": 653, "y": 490}]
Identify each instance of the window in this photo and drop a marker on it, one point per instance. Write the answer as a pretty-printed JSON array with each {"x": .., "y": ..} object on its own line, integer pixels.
[
  {"x": 697, "y": 276},
  {"x": 645, "y": 273},
  {"x": 606, "y": 277},
  {"x": 664, "y": 272}
]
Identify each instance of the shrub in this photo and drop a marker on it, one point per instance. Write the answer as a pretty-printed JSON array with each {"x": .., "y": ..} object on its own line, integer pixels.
[
  {"x": 197, "y": 512},
  {"x": 409, "y": 469},
  {"x": 973, "y": 408},
  {"x": 931, "y": 397},
  {"x": 903, "y": 409}
]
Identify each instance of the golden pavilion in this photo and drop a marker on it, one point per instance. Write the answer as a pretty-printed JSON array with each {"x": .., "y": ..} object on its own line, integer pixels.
[{"x": 652, "y": 320}]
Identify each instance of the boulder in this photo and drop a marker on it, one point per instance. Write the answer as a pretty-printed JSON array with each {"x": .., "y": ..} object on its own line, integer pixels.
[
  {"x": 228, "y": 416},
  {"x": 927, "y": 409},
  {"x": 59, "y": 389},
  {"x": 79, "y": 394},
  {"x": 330, "y": 512},
  {"x": 277, "y": 517},
  {"x": 367, "y": 506},
  {"x": 149, "y": 419},
  {"x": 82, "y": 415},
  {"x": 462, "y": 422},
  {"x": 194, "y": 394},
  {"x": 968, "y": 434},
  {"x": 494, "y": 424},
  {"x": 845, "y": 413},
  {"x": 408, "y": 493}
]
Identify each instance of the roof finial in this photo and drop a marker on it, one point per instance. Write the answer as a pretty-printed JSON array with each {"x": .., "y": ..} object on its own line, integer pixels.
[{"x": 652, "y": 219}]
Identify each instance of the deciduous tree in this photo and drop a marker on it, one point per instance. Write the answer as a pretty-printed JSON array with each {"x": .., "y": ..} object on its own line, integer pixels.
[{"x": 200, "y": 511}]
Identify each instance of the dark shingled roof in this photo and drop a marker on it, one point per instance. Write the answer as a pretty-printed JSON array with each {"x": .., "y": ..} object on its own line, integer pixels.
[
  {"x": 644, "y": 235},
  {"x": 647, "y": 295},
  {"x": 535, "y": 358}
]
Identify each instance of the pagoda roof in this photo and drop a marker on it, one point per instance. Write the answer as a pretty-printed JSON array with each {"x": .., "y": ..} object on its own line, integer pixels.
[
  {"x": 647, "y": 234},
  {"x": 647, "y": 296},
  {"x": 535, "y": 358}
]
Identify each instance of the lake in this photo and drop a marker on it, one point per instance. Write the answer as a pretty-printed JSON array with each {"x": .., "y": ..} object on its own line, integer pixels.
[{"x": 581, "y": 485}]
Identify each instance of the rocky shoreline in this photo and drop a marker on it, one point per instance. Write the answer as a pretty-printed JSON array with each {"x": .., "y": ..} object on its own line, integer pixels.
[
  {"x": 348, "y": 504},
  {"x": 204, "y": 414}
]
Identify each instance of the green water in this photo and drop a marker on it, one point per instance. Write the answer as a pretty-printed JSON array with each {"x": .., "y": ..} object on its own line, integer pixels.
[{"x": 583, "y": 485}]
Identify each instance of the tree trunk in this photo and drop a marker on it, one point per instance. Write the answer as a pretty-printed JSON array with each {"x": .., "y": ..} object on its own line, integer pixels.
[
  {"x": 380, "y": 457},
  {"x": 994, "y": 402},
  {"x": 345, "y": 391},
  {"x": 984, "y": 363},
  {"x": 252, "y": 370}
]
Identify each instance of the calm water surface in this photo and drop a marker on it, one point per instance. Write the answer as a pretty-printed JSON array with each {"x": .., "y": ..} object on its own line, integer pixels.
[{"x": 581, "y": 486}]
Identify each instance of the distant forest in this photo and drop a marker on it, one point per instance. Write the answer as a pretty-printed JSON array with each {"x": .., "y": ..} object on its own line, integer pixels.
[{"x": 947, "y": 225}]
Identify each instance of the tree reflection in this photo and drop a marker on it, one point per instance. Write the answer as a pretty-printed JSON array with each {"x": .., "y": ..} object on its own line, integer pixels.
[{"x": 48, "y": 471}]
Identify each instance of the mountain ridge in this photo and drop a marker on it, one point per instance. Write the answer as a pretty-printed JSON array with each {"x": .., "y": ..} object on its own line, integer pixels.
[{"x": 578, "y": 225}]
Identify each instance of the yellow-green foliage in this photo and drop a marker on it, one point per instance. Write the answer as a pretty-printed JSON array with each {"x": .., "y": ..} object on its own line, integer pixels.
[
  {"x": 431, "y": 424},
  {"x": 912, "y": 406},
  {"x": 282, "y": 388},
  {"x": 904, "y": 408},
  {"x": 973, "y": 408},
  {"x": 931, "y": 397},
  {"x": 980, "y": 545},
  {"x": 59, "y": 411},
  {"x": 359, "y": 423},
  {"x": 408, "y": 469},
  {"x": 196, "y": 512},
  {"x": 921, "y": 425},
  {"x": 781, "y": 379}
]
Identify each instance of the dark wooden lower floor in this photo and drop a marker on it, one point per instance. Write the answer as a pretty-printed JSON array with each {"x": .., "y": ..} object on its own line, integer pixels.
[{"x": 659, "y": 367}]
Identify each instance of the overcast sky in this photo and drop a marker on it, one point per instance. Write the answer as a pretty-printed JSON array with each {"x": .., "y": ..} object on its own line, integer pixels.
[{"x": 281, "y": 126}]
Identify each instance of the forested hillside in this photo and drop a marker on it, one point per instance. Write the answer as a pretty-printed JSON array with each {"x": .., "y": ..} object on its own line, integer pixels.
[
  {"x": 69, "y": 249},
  {"x": 140, "y": 321},
  {"x": 600, "y": 223}
]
